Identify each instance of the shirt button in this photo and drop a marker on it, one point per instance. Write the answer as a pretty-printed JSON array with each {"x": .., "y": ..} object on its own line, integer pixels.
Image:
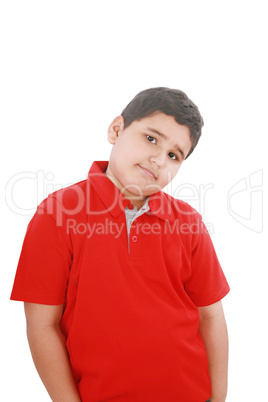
[
  {"x": 134, "y": 238},
  {"x": 130, "y": 206}
]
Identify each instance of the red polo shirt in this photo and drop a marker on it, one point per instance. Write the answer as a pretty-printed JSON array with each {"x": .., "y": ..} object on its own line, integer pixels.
[{"x": 130, "y": 311}]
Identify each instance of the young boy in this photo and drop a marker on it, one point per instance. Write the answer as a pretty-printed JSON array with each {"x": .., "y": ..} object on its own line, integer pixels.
[{"x": 121, "y": 283}]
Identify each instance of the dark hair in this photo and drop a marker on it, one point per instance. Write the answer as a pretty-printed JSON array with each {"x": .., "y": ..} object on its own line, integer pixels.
[{"x": 172, "y": 102}]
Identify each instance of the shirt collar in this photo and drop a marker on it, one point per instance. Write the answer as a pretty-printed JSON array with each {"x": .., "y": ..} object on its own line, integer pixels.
[{"x": 116, "y": 202}]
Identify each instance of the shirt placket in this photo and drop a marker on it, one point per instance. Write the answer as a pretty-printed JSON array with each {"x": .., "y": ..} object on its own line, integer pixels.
[{"x": 135, "y": 231}]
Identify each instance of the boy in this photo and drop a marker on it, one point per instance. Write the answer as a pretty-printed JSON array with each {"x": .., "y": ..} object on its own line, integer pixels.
[{"x": 121, "y": 283}]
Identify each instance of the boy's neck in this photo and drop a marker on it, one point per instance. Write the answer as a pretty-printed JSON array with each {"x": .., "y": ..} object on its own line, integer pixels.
[{"x": 136, "y": 200}]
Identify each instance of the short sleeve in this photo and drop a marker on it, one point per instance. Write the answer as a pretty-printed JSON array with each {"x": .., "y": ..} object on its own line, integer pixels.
[
  {"x": 43, "y": 269},
  {"x": 207, "y": 283}
]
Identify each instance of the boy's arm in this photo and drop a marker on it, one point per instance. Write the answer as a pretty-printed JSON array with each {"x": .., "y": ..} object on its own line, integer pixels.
[
  {"x": 49, "y": 352},
  {"x": 213, "y": 330}
]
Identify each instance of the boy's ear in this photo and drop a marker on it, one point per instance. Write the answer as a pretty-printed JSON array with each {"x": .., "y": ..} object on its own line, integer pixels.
[{"x": 115, "y": 128}]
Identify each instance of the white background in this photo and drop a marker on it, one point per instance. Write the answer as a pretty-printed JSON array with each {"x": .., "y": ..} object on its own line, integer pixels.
[{"x": 67, "y": 69}]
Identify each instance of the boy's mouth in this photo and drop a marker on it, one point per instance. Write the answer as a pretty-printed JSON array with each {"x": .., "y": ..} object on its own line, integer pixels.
[{"x": 148, "y": 172}]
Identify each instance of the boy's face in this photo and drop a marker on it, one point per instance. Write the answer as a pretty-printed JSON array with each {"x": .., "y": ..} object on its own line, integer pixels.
[{"x": 147, "y": 154}]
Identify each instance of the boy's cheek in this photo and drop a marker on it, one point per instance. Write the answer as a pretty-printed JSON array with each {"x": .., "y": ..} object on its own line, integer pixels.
[{"x": 169, "y": 176}]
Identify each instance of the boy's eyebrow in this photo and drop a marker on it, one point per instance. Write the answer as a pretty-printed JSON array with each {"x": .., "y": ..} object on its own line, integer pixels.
[{"x": 153, "y": 130}]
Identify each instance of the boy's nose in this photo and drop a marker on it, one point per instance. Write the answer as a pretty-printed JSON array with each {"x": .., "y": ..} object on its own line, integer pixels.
[{"x": 159, "y": 159}]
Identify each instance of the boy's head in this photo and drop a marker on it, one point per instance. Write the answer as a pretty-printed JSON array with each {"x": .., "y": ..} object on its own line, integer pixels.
[
  {"x": 172, "y": 102},
  {"x": 154, "y": 134}
]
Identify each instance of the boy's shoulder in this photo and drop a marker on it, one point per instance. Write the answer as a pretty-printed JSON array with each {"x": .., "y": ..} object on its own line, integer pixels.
[
  {"x": 69, "y": 196},
  {"x": 184, "y": 206},
  {"x": 70, "y": 200},
  {"x": 177, "y": 208}
]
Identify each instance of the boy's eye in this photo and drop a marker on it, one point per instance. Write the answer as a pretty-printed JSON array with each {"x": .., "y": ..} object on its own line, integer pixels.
[
  {"x": 172, "y": 156},
  {"x": 151, "y": 139}
]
